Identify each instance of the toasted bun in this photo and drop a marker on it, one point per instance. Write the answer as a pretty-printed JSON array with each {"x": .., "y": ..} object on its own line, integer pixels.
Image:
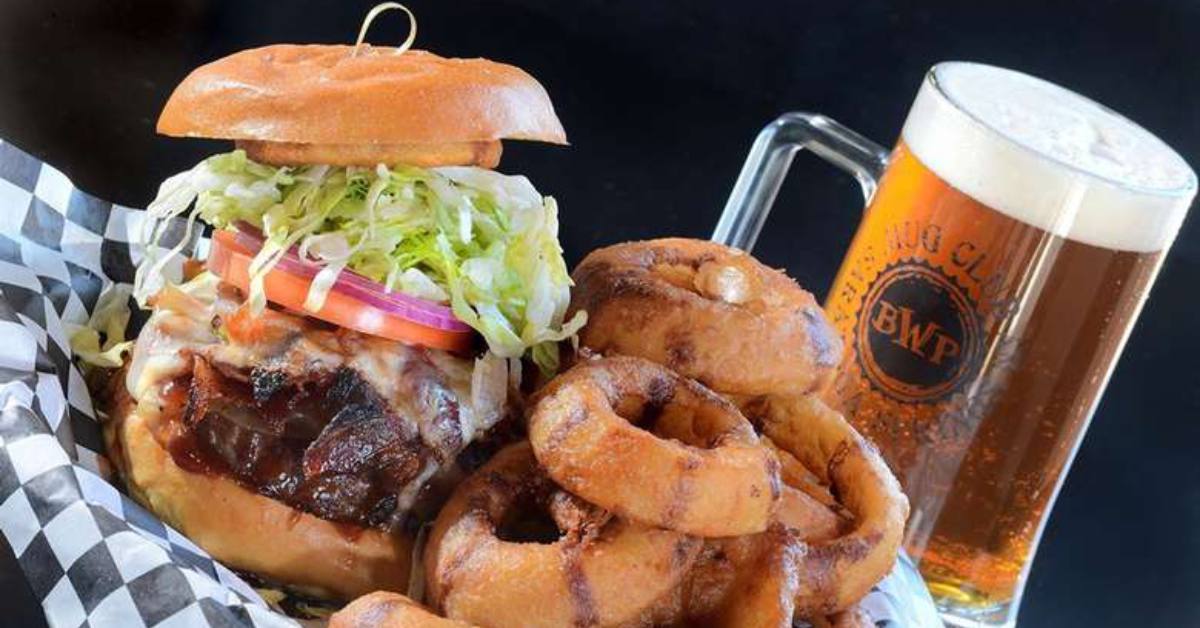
[
  {"x": 320, "y": 94},
  {"x": 247, "y": 531}
]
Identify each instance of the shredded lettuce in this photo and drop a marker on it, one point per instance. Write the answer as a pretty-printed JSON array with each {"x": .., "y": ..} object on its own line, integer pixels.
[
  {"x": 483, "y": 242},
  {"x": 110, "y": 318}
]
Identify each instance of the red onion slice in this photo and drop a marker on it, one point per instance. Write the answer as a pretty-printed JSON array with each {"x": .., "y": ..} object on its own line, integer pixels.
[{"x": 361, "y": 288}]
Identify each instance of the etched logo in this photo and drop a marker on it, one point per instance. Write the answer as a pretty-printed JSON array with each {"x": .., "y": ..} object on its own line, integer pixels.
[{"x": 918, "y": 335}]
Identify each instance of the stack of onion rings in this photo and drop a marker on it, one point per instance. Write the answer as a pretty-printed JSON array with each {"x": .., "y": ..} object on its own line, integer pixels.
[
  {"x": 749, "y": 332},
  {"x": 672, "y": 504}
]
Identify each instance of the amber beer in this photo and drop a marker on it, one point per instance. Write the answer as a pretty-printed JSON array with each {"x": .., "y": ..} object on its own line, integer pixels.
[{"x": 983, "y": 302}]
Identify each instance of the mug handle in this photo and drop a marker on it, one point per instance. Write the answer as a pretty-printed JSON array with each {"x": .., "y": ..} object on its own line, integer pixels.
[{"x": 767, "y": 164}]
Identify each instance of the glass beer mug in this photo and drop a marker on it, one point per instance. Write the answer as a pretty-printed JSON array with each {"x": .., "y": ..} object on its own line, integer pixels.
[{"x": 1008, "y": 244}]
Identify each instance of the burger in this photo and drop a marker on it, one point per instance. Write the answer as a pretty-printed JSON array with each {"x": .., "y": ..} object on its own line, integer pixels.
[{"x": 368, "y": 297}]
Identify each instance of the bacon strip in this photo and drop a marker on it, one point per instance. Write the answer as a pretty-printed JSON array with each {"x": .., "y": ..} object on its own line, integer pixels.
[{"x": 327, "y": 444}]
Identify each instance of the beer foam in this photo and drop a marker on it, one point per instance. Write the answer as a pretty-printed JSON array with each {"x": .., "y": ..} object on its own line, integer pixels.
[{"x": 1049, "y": 157}]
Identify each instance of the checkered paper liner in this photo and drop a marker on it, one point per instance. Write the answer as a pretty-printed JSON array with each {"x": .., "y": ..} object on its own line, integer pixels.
[{"x": 91, "y": 555}]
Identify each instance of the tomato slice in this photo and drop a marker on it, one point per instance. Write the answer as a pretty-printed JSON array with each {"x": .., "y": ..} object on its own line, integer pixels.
[{"x": 358, "y": 304}]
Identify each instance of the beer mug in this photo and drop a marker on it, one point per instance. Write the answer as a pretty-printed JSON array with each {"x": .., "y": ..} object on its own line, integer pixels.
[{"x": 1009, "y": 241}]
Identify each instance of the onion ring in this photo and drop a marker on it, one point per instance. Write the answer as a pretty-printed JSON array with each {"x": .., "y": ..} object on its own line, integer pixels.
[
  {"x": 763, "y": 593},
  {"x": 708, "y": 312},
  {"x": 797, "y": 476},
  {"x": 482, "y": 154},
  {"x": 810, "y": 518},
  {"x": 805, "y": 505},
  {"x": 702, "y": 471},
  {"x": 853, "y": 617},
  {"x": 736, "y": 581},
  {"x": 600, "y": 571},
  {"x": 384, "y": 609},
  {"x": 840, "y": 571}
]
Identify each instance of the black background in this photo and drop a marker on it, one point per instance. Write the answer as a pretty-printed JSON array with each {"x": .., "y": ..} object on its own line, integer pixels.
[{"x": 661, "y": 102}]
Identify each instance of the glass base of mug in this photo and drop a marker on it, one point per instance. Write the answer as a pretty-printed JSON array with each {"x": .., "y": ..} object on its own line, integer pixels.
[
  {"x": 962, "y": 608},
  {"x": 951, "y": 619}
]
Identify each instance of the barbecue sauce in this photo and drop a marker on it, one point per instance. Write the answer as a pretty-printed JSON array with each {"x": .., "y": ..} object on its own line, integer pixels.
[{"x": 326, "y": 444}]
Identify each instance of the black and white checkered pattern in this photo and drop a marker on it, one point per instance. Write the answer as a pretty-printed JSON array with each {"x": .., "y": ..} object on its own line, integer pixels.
[
  {"x": 59, "y": 249},
  {"x": 93, "y": 556}
]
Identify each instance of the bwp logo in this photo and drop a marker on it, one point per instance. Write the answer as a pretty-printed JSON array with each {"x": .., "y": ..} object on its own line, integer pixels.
[{"x": 918, "y": 334}]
